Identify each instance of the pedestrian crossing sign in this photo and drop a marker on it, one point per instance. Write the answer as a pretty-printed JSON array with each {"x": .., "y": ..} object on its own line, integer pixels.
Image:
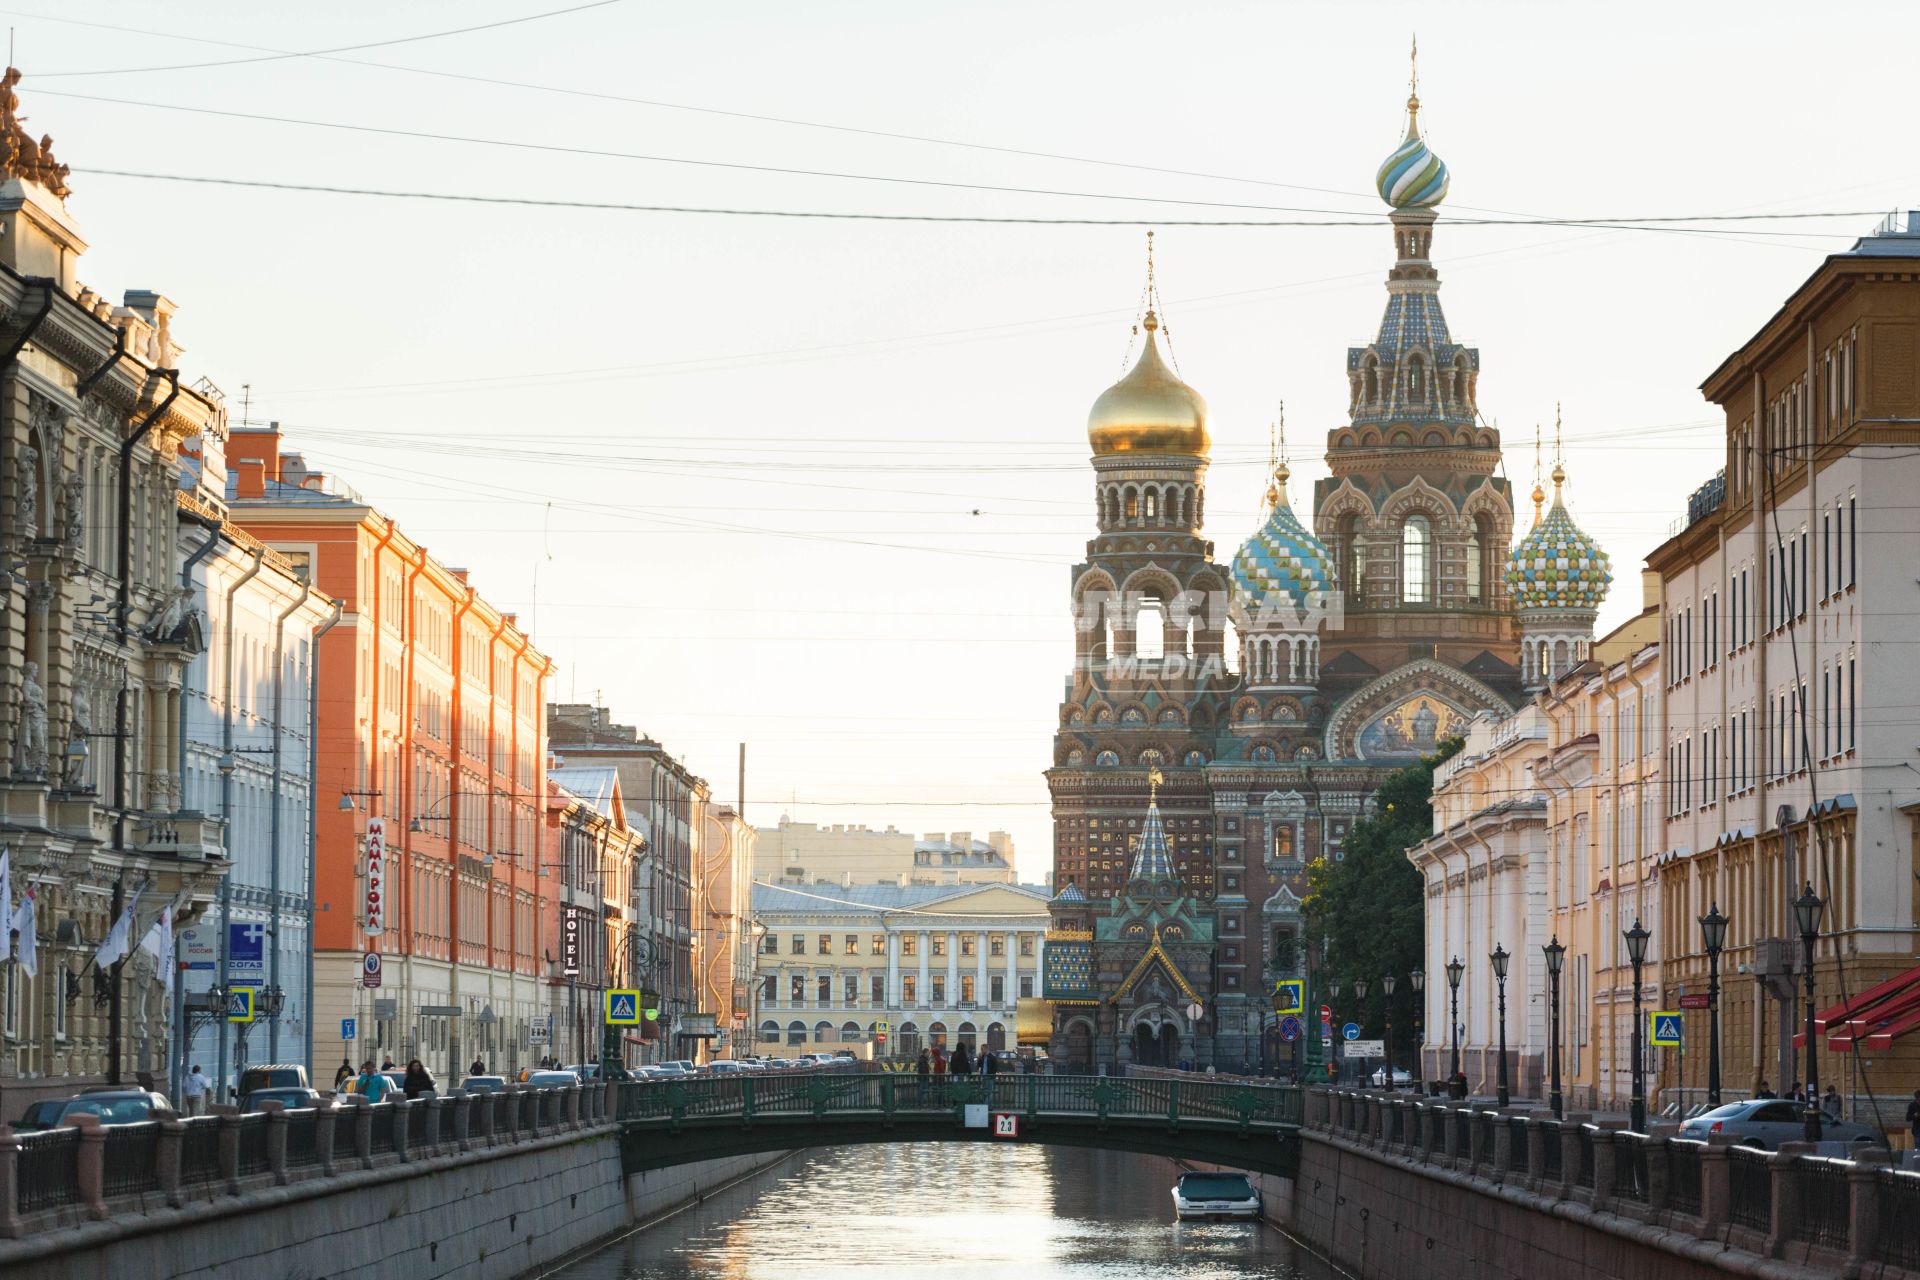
[
  {"x": 1665, "y": 1029},
  {"x": 240, "y": 1004},
  {"x": 1287, "y": 996},
  {"x": 623, "y": 1008}
]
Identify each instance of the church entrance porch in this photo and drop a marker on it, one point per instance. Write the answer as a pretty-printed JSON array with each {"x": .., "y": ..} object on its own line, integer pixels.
[{"x": 1156, "y": 1047}]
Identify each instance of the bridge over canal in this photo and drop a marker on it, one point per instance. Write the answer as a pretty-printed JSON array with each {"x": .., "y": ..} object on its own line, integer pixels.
[{"x": 672, "y": 1122}]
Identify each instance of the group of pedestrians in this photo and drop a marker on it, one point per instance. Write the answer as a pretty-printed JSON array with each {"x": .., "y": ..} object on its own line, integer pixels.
[{"x": 1830, "y": 1101}]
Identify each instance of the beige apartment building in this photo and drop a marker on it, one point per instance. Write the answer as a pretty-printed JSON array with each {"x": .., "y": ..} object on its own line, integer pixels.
[
  {"x": 1601, "y": 778},
  {"x": 798, "y": 853}
]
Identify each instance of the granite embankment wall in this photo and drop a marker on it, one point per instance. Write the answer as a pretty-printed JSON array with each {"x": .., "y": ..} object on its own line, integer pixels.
[{"x": 500, "y": 1209}]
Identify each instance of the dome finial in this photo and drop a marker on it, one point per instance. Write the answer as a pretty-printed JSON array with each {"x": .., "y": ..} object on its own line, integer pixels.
[
  {"x": 1413, "y": 91},
  {"x": 1412, "y": 178},
  {"x": 1277, "y": 460},
  {"x": 1150, "y": 410},
  {"x": 1559, "y": 456},
  {"x": 1539, "y": 491}
]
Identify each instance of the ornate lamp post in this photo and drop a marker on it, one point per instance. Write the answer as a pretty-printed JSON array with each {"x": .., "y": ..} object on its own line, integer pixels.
[
  {"x": 1455, "y": 970},
  {"x": 1500, "y": 958},
  {"x": 1713, "y": 934},
  {"x": 1360, "y": 1014},
  {"x": 1556, "y": 954},
  {"x": 1419, "y": 977},
  {"x": 1387, "y": 985},
  {"x": 1333, "y": 1053},
  {"x": 1637, "y": 952},
  {"x": 1807, "y": 909}
]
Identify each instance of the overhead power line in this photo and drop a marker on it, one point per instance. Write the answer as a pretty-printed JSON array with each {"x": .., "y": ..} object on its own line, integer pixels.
[{"x": 616, "y": 206}]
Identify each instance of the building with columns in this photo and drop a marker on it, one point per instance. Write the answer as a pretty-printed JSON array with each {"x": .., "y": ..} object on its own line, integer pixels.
[
  {"x": 96, "y": 636},
  {"x": 939, "y": 965},
  {"x": 1277, "y": 689},
  {"x": 847, "y": 854}
]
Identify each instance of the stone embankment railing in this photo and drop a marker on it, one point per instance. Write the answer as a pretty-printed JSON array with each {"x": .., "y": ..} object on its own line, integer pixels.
[
  {"x": 87, "y": 1171},
  {"x": 1856, "y": 1216}
]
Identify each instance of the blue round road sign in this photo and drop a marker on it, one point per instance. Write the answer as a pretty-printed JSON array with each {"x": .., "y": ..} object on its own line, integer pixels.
[
  {"x": 1289, "y": 1029},
  {"x": 1351, "y": 1031}
]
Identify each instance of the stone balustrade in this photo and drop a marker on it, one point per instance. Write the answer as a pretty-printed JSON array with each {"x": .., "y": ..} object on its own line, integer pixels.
[
  {"x": 88, "y": 1171},
  {"x": 1856, "y": 1216}
]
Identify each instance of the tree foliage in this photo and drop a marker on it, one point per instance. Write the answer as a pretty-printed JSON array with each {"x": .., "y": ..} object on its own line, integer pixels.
[{"x": 1369, "y": 908}]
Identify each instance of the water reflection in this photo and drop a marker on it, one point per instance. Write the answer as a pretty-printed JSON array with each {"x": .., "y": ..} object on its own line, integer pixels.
[{"x": 1045, "y": 1213}]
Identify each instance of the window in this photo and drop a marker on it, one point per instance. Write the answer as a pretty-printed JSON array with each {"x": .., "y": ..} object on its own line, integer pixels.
[
  {"x": 824, "y": 983},
  {"x": 879, "y": 944},
  {"x": 796, "y": 1033},
  {"x": 1026, "y": 944},
  {"x": 852, "y": 988},
  {"x": 769, "y": 1033},
  {"x": 909, "y": 944},
  {"x": 877, "y": 989},
  {"x": 826, "y": 944},
  {"x": 770, "y": 945},
  {"x": 1416, "y": 561},
  {"x": 853, "y": 944},
  {"x": 1852, "y": 704},
  {"x": 997, "y": 988},
  {"x": 1026, "y": 987},
  {"x": 10, "y": 1026},
  {"x": 1149, "y": 630},
  {"x": 1476, "y": 563},
  {"x": 997, "y": 944},
  {"x": 908, "y": 983},
  {"x": 966, "y": 944},
  {"x": 799, "y": 988},
  {"x": 966, "y": 988},
  {"x": 1853, "y": 537},
  {"x": 939, "y": 941},
  {"x": 939, "y": 985},
  {"x": 799, "y": 947}
]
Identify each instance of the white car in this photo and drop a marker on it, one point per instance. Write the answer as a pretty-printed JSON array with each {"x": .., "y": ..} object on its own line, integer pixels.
[
  {"x": 1401, "y": 1079},
  {"x": 1214, "y": 1197}
]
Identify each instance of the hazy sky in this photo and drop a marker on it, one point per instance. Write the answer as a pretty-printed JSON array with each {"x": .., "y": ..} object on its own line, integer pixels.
[{"x": 818, "y": 485}]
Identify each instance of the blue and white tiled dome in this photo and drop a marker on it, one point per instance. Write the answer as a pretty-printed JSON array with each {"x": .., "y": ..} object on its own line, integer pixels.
[
  {"x": 1282, "y": 566},
  {"x": 1557, "y": 566},
  {"x": 1412, "y": 177}
]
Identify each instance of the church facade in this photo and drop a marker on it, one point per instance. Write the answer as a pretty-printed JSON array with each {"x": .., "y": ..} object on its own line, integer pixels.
[{"x": 1226, "y": 723}]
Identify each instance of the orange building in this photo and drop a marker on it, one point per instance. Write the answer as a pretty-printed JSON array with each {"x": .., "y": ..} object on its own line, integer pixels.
[{"x": 431, "y": 785}]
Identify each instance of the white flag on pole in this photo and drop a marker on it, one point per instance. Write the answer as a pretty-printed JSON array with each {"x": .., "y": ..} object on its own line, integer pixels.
[
  {"x": 119, "y": 940},
  {"x": 158, "y": 943},
  {"x": 29, "y": 957}
]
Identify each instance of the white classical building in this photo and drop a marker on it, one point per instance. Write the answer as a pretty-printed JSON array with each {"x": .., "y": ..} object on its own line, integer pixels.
[
  {"x": 245, "y": 757},
  {"x": 937, "y": 964}
]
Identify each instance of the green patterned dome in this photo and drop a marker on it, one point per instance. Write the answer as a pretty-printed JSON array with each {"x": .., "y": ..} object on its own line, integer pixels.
[
  {"x": 1282, "y": 566},
  {"x": 1557, "y": 566}
]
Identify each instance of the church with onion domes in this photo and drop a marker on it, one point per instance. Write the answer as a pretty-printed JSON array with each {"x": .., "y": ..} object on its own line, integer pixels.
[{"x": 1226, "y": 722}]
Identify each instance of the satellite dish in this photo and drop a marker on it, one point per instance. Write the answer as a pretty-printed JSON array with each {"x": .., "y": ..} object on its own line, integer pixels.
[{"x": 293, "y": 471}]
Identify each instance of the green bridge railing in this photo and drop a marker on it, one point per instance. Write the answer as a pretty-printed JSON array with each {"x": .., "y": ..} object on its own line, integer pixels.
[{"x": 740, "y": 1100}]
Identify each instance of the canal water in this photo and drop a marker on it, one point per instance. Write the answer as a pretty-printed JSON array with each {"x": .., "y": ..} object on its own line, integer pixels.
[{"x": 946, "y": 1211}]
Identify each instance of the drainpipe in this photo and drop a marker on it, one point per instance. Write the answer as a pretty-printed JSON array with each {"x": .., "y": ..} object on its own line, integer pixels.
[
  {"x": 228, "y": 762},
  {"x": 186, "y": 584},
  {"x": 313, "y": 817},
  {"x": 273, "y": 815},
  {"x": 19, "y": 344},
  {"x": 87, "y": 383},
  {"x": 410, "y": 640}
]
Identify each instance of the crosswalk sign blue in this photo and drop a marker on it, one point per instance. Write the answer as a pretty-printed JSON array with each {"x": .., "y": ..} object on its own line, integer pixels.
[
  {"x": 623, "y": 1008},
  {"x": 1287, "y": 996},
  {"x": 1665, "y": 1029},
  {"x": 240, "y": 1004}
]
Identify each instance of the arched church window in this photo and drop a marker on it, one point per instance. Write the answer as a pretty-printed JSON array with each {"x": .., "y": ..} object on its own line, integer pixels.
[
  {"x": 1416, "y": 384},
  {"x": 1149, "y": 630},
  {"x": 1416, "y": 561},
  {"x": 1153, "y": 505},
  {"x": 1476, "y": 565},
  {"x": 1076, "y": 757}
]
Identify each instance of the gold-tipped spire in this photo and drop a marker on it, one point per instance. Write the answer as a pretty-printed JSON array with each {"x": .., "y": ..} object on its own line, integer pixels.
[
  {"x": 1277, "y": 460},
  {"x": 1539, "y": 493},
  {"x": 1559, "y": 456},
  {"x": 1154, "y": 779},
  {"x": 1413, "y": 90},
  {"x": 1150, "y": 410}
]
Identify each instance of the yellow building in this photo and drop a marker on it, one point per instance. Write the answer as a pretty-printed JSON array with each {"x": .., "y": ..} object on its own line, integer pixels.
[
  {"x": 796, "y": 853},
  {"x": 1601, "y": 777}
]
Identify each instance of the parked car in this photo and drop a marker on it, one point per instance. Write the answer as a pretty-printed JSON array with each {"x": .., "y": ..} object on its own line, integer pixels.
[
  {"x": 551, "y": 1079},
  {"x": 1214, "y": 1197},
  {"x": 726, "y": 1067},
  {"x": 661, "y": 1070},
  {"x": 1765, "y": 1123},
  {"x": 274, "y": 1075},
  {"x": 111, "y": 1106},
  {"x": 484, "y": 1084},
  {"x": 1401, "y": 1079},
  {"x": 291, "y": 1099}
]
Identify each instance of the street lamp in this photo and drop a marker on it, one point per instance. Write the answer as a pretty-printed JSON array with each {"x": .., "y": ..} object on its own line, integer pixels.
[
  {"x": 1360, "y": 1014},
  {"x": 1419, "y": 977},
  {"x": 1637, "y": 952},
  {"x": 1556, "y": 953},
  {"x": 1807, "y": 909},
  {"x": 1455, "y": 970},
  {"x": 1713, "y": 934},
  {"x": 1500, "y": 958},
  {"x": 1386, "y": 985}
]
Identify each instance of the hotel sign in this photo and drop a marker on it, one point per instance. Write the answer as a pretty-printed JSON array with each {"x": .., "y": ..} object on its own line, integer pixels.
[
  {"x": 376, "y": 903},
  {"x": 570, "y": 942}
]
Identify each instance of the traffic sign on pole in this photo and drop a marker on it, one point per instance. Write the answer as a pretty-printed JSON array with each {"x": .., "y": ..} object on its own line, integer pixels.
[
  {"x": 240, "y": 1004},
  {"x": 1351, "y": 1031},
  {"x": 1664, "y": 1026},
  {"x": 1287, "y": 995},
  {"x": 623, "y": 1008},
  {"x": 347, "y": 1026},
  {"x": 1289, "y": 1029}
]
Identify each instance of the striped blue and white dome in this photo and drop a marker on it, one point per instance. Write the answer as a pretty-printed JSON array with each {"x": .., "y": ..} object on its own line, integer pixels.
[
  {"x": 1282, "y": 567},
  {"x": 1558, "y": 566},
  {"x": 1412, "y": 177}
]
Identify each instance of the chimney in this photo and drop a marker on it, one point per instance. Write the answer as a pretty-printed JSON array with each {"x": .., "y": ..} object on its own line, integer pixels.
[
  {"x": 262, "y": 447},
  {"x": 1649, "y": 589},
  {"x": 252, "y": 478}
]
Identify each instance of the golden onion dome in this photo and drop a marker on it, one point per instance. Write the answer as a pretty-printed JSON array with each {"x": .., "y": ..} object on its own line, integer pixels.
[{"x": 1150, "y": 410}]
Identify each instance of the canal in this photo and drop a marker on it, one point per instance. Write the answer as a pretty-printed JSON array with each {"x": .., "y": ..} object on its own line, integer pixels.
[{"x": 950, "y": 1210}]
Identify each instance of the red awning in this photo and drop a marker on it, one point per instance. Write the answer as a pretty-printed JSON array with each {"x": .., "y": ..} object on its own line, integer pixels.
[{"x": 1874, "y": 1019}]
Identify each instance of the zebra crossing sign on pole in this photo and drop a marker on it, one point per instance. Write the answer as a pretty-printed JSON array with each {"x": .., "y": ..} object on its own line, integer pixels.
[
  {"x": 623, "y": 1008},
  {"x": 1664, "y": 1029}
]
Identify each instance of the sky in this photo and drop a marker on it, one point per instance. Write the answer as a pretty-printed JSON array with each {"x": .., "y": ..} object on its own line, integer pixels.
[{"x": 817, "y": 485}]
